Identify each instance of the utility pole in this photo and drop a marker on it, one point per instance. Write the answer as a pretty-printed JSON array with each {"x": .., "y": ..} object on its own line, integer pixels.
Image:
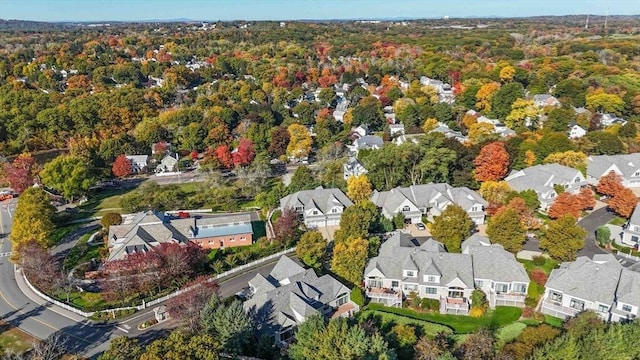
[{"x": 586, "y": 25}]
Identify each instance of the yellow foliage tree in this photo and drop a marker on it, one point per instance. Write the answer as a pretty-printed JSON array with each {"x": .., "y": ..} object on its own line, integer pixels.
[
  {"x": 358, "y": 188},
  {"x": 484, "y": 95},
  {"x": 33, "y": 218},
  {"x": 521, "y": 111},
  {"x": 300, "y": 141},
  {"x": 429, "y": 125},
  {"x": 529, "y": 158},
  {"x": 574, "y": 159},
  {"x": 479, "y": 132},
  {"x": 495, "y": 192},
  {"x": 469, "y": 120},
  {"x": 507, "y": 73},
  {"x": 349, "y": 259}
]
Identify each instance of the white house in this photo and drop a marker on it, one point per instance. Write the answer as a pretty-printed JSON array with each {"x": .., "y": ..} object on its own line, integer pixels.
[
  {"x": 353, "y": 167},
  {"x": 625, "y": 165},
  {"x": 139, "y": 163},
  {"x": 631, "y": 231},
  {"x": 319, "y": 207},
  {"x": 576, "y": 131}
]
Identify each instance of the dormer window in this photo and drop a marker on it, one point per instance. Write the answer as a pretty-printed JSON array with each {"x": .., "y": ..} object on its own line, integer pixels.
[
  {"x": 315, "y": 212},
  {"x": 626, "y": 308},
  {"x": 334, "y": 210},
  {"x": 637, "y": 173},
  {"x": 409, "y": 273},
  {"x": 577, "y": 179},
  {"x": 406, "y": 208},
  {"x": 432, "y": 278},
  {"x": 299, "y": 208}
]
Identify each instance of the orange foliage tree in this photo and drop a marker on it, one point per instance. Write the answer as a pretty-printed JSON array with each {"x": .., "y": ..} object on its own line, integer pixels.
[
  {"x": 586, "y": 199},
  {"x": 492, "y": 163},
  {"x": 564, "y": 204},
  {"x": 610, "y": 184},
  {"x": 121, "y": 167},
  {"x": 623, "y": 202}
]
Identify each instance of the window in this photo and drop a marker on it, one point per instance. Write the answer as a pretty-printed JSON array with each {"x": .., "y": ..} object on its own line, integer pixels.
[
  {"x": 431, "y": 279},
  {"x": 502, "y": 288},
  {"x": 520, "y": 288},
  {"x": 577, "y": 179},
  {"x": 634, "y": 238},
  {"x": 315, "y": 212},
  {"x": 287, "y": 334},
  {"x": 395, "y": 284},
  {"x": 475, "y": 208},
  {"x": 334, "y": 210},
  {"x": 637, "y": 173},
  {"x": 555, "y": 296},
  {"x": 626, "y": 308},
  {"x": 232, "y": 239},
  {"x": 576, "y": 304},
  {"x": 430, "y": 290},
  {"x": 479, "y": 283},
  {"x": 410, "y": 273},
  {"x": 242, "y": 238},
  {"x": 406, "y": 208},
  {"x": 603, "y": 308},
  {"x": 410, "y": 287},
  {"x": 299, "y": 208},
  {"x": 341, "y": 300}
]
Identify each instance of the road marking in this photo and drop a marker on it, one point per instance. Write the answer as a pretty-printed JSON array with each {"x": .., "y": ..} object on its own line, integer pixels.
[
  {"x": 119, "y": 328},
  {"x": 5, "y": 254},
  {"x": 127, "y": 326}
]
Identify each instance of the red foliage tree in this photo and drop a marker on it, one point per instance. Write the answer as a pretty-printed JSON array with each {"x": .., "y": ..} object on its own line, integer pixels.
[
  {"x": 285, "y": 228},
  {"x": 492, "y": 163},
  {"x": 19, "y": 173},
  {"x": 121, "y": 167},
  {"x": 224, "y": 156},
  {"x": 39, "y": 266},
  {"x": 586, "y": 199},
  {"x": 539, "y": 277},
  {"x": 610, "y": 184},
  {"x": 279, "y": 140},
  {"x": 623, "y": 202},
  {"x": 244, "y": 154},
  {"x": 564, "y": 204}
]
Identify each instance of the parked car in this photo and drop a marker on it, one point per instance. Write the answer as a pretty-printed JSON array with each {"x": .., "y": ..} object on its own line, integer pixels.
[{"x": 420, "y": 226}]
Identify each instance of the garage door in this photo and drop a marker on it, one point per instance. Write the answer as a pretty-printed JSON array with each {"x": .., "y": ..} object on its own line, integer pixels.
[{"x": 333, "y": 222}]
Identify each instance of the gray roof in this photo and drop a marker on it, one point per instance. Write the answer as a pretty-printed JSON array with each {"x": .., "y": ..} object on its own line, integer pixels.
[
  {"x": 427, "y": 196},
  {"x": 322, "y": 199},
  {"x": 628, "y": 164},
  {"x": 138, "y": 158},
  {"x": 275, "y": 306},
  {"x": 635, "y": 216},
  {"x": 629, "y": 288},
  {"x": 587, "y": 279},
  {"x": 541, "y": 178},
  {"x": 369, "y": 141},
  {"x": 475, "y": 240},
  {"x": 495, "y": 263}
]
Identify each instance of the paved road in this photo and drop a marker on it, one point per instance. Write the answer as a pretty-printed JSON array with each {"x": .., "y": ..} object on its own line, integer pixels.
[{"x": 590, "y": 223}]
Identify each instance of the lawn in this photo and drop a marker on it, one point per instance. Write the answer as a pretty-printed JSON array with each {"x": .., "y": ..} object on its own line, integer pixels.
[
  {"x": 13, "y": 339},
  {"x": 386, "y": 321},
  {"x": 618, "y": 221},
  {"x": 548, "y": 265},
  {"x": 59, "y": 233},
  {"x": 494, "y": 319},
  {"x": 82, "y": 252},
  {"x": 508, "y": 333},
  {"x": 553, "y": 321}
]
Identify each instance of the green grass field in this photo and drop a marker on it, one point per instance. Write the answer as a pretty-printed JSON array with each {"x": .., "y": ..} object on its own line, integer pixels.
[
  {"x": 386, "y": 321},
  {"x": 13, "y": 339}
]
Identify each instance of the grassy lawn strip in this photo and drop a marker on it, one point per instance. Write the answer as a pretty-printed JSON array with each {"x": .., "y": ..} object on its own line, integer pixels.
[
  {"x": 548, "y": 265},
  {"x": 387, "y": 321},
  {"x": 82, "y": 252},
  {"x": 508, "y": 333},
  {"x": 618, "y": 221},
  {"x": 497, "y": 318},
  {"x": 59, "y": 233},
  {"x": 553, "y": 321},
  {"x": 14, "y": 340}
]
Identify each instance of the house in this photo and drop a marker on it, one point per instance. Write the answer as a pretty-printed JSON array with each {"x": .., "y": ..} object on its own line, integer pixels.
[
  {"x": 396, "y": 129},
  {"x": 359, "y": 132},
  {"x": 401, "y": 139},
  {"x": 448, "y": 133},
  {"x": 279, "y": 302},
  {"x": 139, "y": 163},
  {"x": 631, "y": 230},
  {"x": 543, "y": 179},
  {"x": 143, "y": 231},
  {"x": 576, "y": 131},
  {"x": 625, "y": 165},
  {"x": 601, "y": 285},
  {"x": 543, "y": 100},
  {"x": 168, "y": 164},
  {"x": 444, "y": 90},
  {"x": 429, "y": 200},
  {"x": 367, "y": 142},
  {"x": 405, "y": 265},
  {"x": 319, "y": 207},
  {"x": 353, "y": 167},
  {"x": 610, "y": 119}
]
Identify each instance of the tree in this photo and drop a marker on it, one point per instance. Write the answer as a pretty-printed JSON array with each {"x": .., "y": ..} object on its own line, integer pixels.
[
  {"x": 523, "y": 114},
  {"x": 196, "y": 294},
  {"x": 563, "y": 238},
  {"x": 479, "y": 303},
  {"x": 506, "y": 229},
  {"x": 302, "y": 179},
  {"x": 402, "y": 338},
  {"x": 19, "y": 173},
  {"x": 610, "y": 184},
  {"x": 503, "y": 99},
  {"x": 244, "y": 154},
  {"x": 300, "y": 141},
  {"x": 349, "y": 259},
  {"x": 279, "y": 141},
  {"x": 69, "y": 174},
  {"x": 122, "y": 348},
  {"x": 110, "y": 218},
  {"x": 623, "y": 202},
  {"x": 311, "y": 249},
  {"x": 229, "y": 324},
  {"x": 316, "y": 340},
  {"x": 357, "y": 221},
  {"x": 565, "y": 204},
  {"x": 484, "y": 95},
  {"x": 519, "y": 205},
  {"x": 492, "y": 164},
  {"x": 507, "y": 73},
  {"x": 368, "y": 111},
  {"x": 478, "y": 346},
  {"x": 428, "y": 348},
  {"x": 358, "y": 188},
  {"x": 605, "y": 103},
  {"x": 286, "y": 227},
  {"x": 182, "y": 344},
  {"x": 480, "y": 132},
  {"x": 121, "y": 167},
  {"x": 452, "y": 227},
  {"x": 39, "y": 266},
  {"x": 224, "y": 157},
  {"x": 33, "y": 219},
  {"x": 495, "y": 192},
  {"x": 574, "y": 159}
]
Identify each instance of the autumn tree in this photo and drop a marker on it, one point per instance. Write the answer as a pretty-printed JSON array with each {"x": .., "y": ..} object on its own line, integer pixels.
[
  {"x": 19, "y": 173},
  {"x": 244, "y": 154},
  {"x": 610, "y": 184},
  {"x": 368, "y": 111},
  {"x": 478, "y": 346},
  {"x": 484, "y": 96},
  {"x": 121, "y": 167},
  {"x": 480, "y": 132},
  {"x": 605, "y": 103},
  {"x": 573, "y": 159},
  {"x": 586, "y": 198},
  {"x": 110, "y": 218},
  {"x": 565, "y": 204},
  {"x": 358, "y": 188},
  {"x": 286, "y": 226},
  {"x": 300, "y": 141},
  {"x": 279, "y": 141},
  {"x": 39, "y": 266},
  {"x": 523, "y": 114},
  {"x": 492, "y": 164},
  {"x": 187, "y": 306},
  {"x": 623, "y": 202},
  {"x": 224, "y": 157},
  {"x": 69, "y": 174},
  {"x": 122, "y": 348},
  {"x": 563, "y": 238},
  {"x": 452, "y": 227},
  {"x": 349, "y": 259},
  {"x": 311, "y": 248},
  {"x": 524, "y": 211},
  {"x": 33, "y": 219},
  {"x": 506, "y": 229},
  {"x": 495, "y": 192},
  {"x": 507, "y": 73}
]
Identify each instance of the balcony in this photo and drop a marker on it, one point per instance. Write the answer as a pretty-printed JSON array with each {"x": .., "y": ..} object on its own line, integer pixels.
[
  {"x": 457, "y": 306},
  {"x": 389, "y": 297},
  {"x": 510, "y": 299},
  {"x": 556, "y": 309}
]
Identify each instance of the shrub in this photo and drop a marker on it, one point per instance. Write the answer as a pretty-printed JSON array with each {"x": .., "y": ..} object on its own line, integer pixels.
[
  {"x": 531, "y": 302},
  {"x": 414, "y": 299},
  {"x": 539, "y": 277},
  {"x": 527, "y": 312},
  {"x": 603, "y": 235},
  {"x": 430, "y": 304},
  {"x": 112, "y": 218},
  {"x": 476, "y": 312},
  {"x": 539, "y": 260}
]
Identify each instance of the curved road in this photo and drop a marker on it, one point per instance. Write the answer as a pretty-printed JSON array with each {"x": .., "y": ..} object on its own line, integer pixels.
[{"x": 22, "y": 308}]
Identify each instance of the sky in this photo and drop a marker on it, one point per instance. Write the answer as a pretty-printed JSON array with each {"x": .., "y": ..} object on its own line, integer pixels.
[{"x": 212, "y": 10}]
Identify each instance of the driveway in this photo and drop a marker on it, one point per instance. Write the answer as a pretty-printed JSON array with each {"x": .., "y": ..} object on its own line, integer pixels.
[{"x": 590, "y": 223}]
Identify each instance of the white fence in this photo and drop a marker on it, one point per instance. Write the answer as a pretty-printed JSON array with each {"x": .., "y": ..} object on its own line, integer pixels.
[{"x": 144, "y": 304}]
